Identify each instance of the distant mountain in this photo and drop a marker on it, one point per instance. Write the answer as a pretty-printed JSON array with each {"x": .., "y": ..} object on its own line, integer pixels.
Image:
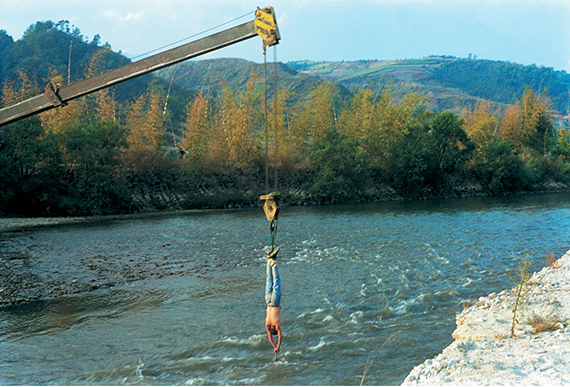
[
  {"x": 448, "y": 83},
  {"x": 209, "y": 76}
]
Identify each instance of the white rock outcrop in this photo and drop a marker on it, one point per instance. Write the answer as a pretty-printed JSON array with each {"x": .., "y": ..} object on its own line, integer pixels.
[{"x": 484, "y": 353}]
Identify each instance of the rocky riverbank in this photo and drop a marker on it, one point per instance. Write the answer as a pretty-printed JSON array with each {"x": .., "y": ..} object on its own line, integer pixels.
[
  {"x": 27, "y": 273},
  {"x": 484, "y": 353},
  {"x": 163, "y": 191}
]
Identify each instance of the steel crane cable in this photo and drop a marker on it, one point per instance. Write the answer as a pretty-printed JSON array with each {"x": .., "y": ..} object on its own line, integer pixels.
[{"x": 275, "y": 126}]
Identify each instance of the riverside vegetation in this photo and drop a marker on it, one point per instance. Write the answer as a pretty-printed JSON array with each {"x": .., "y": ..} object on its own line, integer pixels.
[
  {"x": 520, "y": 291},
  {"x": 324, "y": 146}
]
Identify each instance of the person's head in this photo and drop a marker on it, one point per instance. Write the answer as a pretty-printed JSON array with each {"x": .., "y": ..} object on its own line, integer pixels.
[{"x": 273, "y": 330}]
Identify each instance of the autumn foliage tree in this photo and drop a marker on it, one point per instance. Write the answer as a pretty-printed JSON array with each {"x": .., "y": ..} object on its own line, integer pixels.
[
  {"x": 481, "y": 125},
  {"x": 288, "y": 147},
  {"x": 315, "y": 118},
  {"x": 145, "y": 133},
  {"x": 198, "y": 130},
  {"x": 528, "y": 125},
  {"x": 234, "y": 146},
  {"x": 63, "y": 118},
  {"x": 102, "y": 103}
]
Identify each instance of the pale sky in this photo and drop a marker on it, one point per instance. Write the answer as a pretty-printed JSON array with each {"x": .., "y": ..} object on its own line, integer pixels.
[{"x": 520, "y": 31}]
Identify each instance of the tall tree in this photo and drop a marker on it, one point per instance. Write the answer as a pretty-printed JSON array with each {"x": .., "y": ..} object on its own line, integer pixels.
[
  {"x": 288, "y": 149},
  {"x": 531, "y": 131},
  {"x": 316, "y": 118},
  {"x": 97, "y": 185},
  {"x": 145, "y": 135},
  {"x": 358, "y": 122},
  {"x": 30, "y": 168},
  {"x": 536, "y": 123},
  {"x": 102, "y": 102},
  {"x": 394, "y": 123},
  {"x": 145, "y": 122},
  {"x": 198, "y": 129},
  {"x": 61, "y": 119},
  {"x": 481, "y": 125},
  {"x": 235, "y": 138}
]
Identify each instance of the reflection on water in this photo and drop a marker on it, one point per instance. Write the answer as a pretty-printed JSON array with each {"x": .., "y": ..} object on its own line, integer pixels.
[{"x": 353, "y": 276}]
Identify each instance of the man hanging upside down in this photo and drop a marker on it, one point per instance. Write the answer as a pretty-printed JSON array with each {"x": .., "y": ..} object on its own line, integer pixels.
[{"x": 272, "y": 299}]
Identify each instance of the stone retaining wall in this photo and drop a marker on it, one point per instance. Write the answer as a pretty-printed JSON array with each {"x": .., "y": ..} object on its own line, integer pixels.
[{"x": 162, "y": 191}]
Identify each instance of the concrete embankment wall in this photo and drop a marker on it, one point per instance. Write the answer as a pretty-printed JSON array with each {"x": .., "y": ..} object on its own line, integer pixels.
[
  {"x": 163, "y": 191},
  {"x": 484, "y": 353}
]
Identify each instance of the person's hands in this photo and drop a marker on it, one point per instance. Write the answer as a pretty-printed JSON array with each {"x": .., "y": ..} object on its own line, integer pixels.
[{"x": 276, "y": 350}]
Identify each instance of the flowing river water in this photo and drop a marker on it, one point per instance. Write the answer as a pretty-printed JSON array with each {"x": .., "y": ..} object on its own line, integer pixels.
[{"x": 369, "y": 291}]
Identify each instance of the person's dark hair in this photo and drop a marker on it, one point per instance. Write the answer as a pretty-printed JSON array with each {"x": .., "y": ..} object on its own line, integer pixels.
[{"x": 273, "y": 331}]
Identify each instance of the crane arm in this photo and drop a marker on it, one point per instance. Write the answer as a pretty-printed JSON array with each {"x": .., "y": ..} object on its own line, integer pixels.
[{"x": 264, "y": 25}]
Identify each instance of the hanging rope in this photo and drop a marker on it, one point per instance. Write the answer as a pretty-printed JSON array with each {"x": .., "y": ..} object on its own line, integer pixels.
[
  {"x": 265, "y": 122},
  {"x": 271, "y": 205},
  {"x": 166, "y": 105},
  {"x": 275, "y": 123}
]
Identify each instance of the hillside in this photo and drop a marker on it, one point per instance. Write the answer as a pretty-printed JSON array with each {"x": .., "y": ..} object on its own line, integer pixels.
[
  {"x": 448, "y": 83},
  {"x": 209, "y": 76}
]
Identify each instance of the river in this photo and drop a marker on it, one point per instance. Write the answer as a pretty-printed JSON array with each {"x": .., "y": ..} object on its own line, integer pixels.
[{"x": 369, "y": 290}]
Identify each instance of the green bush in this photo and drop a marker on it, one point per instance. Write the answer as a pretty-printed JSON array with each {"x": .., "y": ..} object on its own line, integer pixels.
[
  {"x": 536, "y": 170},
  {"x": 561, "y": 171},
  {"x": 339, "y": 171},
  {"x": 451, "y": 149},
  {"x": 30, "y": 169},
  {"x": 96, "y": 182},
  {"x": 430, "y": 158},
  {"x": 499, "y": 169},
  {"x": 411, "y": 164}
]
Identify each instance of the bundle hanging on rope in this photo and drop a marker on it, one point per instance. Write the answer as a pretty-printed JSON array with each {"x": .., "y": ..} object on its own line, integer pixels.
[{"x": 271, "y": 209}]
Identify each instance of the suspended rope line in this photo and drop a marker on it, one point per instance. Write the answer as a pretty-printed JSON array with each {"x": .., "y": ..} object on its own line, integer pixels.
[
  {"x": 191, "y": 36},
  {"x": 206, "y": 79},
  {"x": 166, "y": 105},
  {"x": 275, "y": 123},
  {"x": 265, "y": 123},
  {"x": 169, "y": 87}
]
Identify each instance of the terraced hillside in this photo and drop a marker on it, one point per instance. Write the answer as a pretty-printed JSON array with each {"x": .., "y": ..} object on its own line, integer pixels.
[{"x": 448, "y": 83}]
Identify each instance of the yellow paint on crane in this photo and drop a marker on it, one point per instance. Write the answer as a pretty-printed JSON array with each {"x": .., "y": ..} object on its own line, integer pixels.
[{"x": 266, "y": 26}]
